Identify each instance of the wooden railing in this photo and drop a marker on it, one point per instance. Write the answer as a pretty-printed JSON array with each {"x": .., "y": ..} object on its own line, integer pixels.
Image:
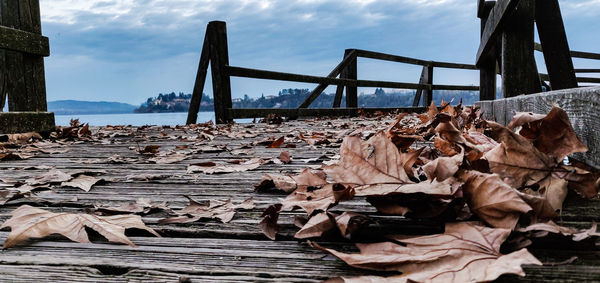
[
  {"x": 574, "y": 54},
  {"x": 344, "y": 76}
]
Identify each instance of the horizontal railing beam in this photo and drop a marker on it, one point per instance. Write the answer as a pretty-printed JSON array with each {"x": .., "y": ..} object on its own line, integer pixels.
[
  {"x": 270, "y": 75},
  {"x": 575, "y": 54},
  {"x": 587, "y": 70},
  {"x": 23, "y": 41},
  {"x": 414, "y": 61},
  {"x": 545, "y": 77},
  {"x": 240, "y": 113}
]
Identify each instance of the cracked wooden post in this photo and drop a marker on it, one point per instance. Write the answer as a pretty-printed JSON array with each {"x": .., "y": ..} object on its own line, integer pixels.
[
  {"x": 22, "y": 68},
  {"x": 219, "y": 61}
]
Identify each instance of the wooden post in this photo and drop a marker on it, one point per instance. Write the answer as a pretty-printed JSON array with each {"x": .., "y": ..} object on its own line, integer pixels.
[
  {"x": 339, "y": 91},
  {"x": 428, "y": 97},
  {"x": 200, "y": 81},
  {"x": 351, "y": 91},
  {"x": 22, "y": 67},
  {"x": 426, "y": 78},
  {"x": 519, "y": 71},
  {"x": 487, "y": 69},
  {"x": 553, "y": 39},
  {"x": 219, "y": 60}
]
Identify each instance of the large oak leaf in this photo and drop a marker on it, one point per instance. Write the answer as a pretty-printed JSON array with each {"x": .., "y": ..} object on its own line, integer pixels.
[
  {"x": 30, "y": 222},
  {"x": 492, "y": 200},
  {"x": 464, "y": 253},
  {"x": 516, "y": 160},
  {"x": 551, "y": 134},
  {"x": 374, "y": 161}
]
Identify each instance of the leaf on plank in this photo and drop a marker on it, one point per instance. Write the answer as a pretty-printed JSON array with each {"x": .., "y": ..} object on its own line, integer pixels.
[
  {"x": 464, "y": 253},
  {"x": 226, "y": 168},
  {"x": 516, "y": 160},
  {"x": 83, "y": 182},
  {"x": 268, "y": 224},
  {"x": 551, "y": 227},
  {"x": 552, "y": 134},
  {"x": 375, "y": 161},
  {"x": 214, "y": 209},
  {"x": 30, "y": 222},
  {"x": 289, "y": 183},
  {"x": 492, "y": 200}
]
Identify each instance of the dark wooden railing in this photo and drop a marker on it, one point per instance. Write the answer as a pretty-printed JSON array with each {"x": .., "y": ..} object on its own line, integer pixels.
[
  {"x": 574, "y": 54},
  {"x": 344, "y": 76}
]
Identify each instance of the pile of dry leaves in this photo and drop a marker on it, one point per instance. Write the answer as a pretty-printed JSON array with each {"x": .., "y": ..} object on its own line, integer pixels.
[{"x": 486, "y": 181}]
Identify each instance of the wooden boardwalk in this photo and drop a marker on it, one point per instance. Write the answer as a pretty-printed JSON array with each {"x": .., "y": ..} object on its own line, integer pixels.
[{"x": 207, "y": 251}]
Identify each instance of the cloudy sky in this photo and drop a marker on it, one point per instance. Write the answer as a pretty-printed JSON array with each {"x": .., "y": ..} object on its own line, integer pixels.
[{"x": 128, "y": 50}]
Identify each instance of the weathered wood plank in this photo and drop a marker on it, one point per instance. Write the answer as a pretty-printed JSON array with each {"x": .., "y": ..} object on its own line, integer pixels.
[
  {"x": 23, "y": 41},
  {"x": 576, "y": 54},
  {"x": 498, "y": 16}
]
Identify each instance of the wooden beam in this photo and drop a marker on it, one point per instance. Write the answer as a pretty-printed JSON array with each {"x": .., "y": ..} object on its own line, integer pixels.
[
  {"x": 547, "y": 78},
  {"x": 519, "y": 70},
  {"x": 22, "y": 41},
  {"x": 413, "y": 61},
  {"x": 339, "y": 90},
  {"x": 348, "y": 58},
  {"x": 553, "y": 39},
  {"x": 240, "y": 113},
  {"x": 200, "y": 81},
  {"x": 576, "y": 54},
  {"x": 587, "y": 70},
  {"x": 271, "y": 75},
  {"x": 497, "y": 18},
  {"x": 487, "y": 70},
  {"x": 219, "y": 60},
  {"x": 352, "y": 90},
  {"x": 419, "y": 91}
]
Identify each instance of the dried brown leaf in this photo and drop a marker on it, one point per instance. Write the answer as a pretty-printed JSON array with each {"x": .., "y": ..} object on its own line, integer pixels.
[
  {"x": 552, "y": 134},
  {"x": 492, "y": 200},
  {"x": 316, "y": 226},
  {"x": 464, "y": 253},
  {"x": 289, "y": 183},
  {"x": 214, "y": 209},
  {"x": 224, "y": 169},
  {"x": 374, "y": 161},
  {"x": 268, "y": 225},
  {"x": 83, "y": 182},
  {"x": 30, "y": 222},
  {"x": 551, "y": 227}
]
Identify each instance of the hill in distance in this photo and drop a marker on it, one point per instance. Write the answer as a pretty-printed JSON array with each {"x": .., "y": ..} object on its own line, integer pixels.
[{"x": 74, "y": 107}]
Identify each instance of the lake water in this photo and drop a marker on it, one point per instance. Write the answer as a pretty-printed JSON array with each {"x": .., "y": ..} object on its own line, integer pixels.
[{"x": 135, "y": 119}]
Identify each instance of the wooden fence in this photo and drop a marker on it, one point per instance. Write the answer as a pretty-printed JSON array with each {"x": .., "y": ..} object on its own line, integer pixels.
[{"x": 344, "y": 76}]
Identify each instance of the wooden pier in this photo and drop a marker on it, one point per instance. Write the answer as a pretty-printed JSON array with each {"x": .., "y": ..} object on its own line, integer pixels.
[{"x": 211, "y": 251}]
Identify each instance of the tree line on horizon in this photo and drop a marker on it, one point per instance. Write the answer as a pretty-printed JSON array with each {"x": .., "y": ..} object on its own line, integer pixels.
[{"x": 292, "y": 98}]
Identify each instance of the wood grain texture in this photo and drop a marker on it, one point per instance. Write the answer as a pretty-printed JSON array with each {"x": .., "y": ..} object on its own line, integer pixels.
[
  {"x": 210, "y": 251},
  {"x": 581, "y": 105}
]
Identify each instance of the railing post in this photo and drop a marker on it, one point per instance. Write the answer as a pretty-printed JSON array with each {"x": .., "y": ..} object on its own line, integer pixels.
[
  {"x": 22, "y": 68},
  {"x": 200, "y": 81},
  {"x": 339, "y": 91},
  {"x": 219, "y": 60},
  {"x": 519, "y": 70},
  {"x": 487, "y": 70},
  {"x": 553, "y": 39},
  {"x": 351, "y": 91},
  {"x": 426, "y": 78}
]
